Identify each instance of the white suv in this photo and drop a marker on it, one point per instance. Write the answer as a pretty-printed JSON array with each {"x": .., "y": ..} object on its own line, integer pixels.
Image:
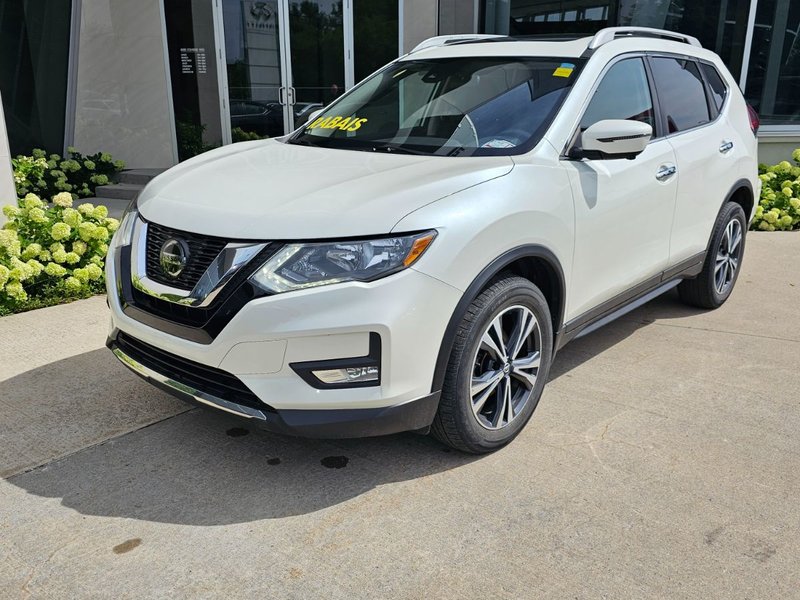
[{"x": 414, "y": 256}]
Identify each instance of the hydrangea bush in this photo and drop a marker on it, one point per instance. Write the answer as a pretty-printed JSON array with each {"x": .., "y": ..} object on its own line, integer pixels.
[
  {"x": 52, "y": 250},
  {"x": 75, "y": 173},
  {"x": 779, "y": 207}
]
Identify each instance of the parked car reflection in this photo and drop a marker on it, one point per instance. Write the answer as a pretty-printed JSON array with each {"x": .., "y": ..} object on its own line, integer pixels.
[{"x": 266, "y": 118}]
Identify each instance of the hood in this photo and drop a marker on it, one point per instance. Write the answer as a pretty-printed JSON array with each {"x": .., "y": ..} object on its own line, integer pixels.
[{"x": 271, "y": 190}]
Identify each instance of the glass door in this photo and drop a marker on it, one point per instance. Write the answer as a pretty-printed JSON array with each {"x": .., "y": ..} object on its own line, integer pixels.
[
  {"x": 375, "y": 35},
  {"x": 263, "y": 39},
  {"x": 316, "y": 40},
  {"x": 258, "y": 87}
]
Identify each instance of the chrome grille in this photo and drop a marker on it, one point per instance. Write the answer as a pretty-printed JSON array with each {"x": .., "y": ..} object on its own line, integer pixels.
[{"x": 202, "y": 252}]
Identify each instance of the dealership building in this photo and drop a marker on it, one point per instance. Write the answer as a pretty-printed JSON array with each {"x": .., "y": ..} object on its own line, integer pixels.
[{"x": 157, "y": 81}]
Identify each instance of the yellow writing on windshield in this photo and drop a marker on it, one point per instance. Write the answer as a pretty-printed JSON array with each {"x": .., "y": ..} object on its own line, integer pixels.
[{"x": 340, "y": 123}]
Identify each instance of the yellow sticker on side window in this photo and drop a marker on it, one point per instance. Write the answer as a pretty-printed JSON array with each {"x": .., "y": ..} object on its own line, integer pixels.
[
  {"x": 565, "y": 70},
  {"x": 340, "y": 123}
]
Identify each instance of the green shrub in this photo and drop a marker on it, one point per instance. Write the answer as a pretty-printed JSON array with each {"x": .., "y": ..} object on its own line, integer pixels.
[
  {"x": 52, "y": 253},
  {"x": 77, "y": 174},
  {"x": 240, "y": 135},
  {"x": 779, "y": 206}
]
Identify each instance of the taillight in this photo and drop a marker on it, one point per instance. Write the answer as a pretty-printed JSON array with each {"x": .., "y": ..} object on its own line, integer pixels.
[{"x": 755, "y": 122}]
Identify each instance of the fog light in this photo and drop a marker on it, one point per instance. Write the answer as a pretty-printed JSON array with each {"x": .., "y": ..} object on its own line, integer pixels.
[{"x": 348, "y": 375}]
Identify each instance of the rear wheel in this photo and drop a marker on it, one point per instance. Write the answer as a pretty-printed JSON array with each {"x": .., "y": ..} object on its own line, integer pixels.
[
  {"x": 724, "y": 260},
  {"x": 497, "y": 369}
]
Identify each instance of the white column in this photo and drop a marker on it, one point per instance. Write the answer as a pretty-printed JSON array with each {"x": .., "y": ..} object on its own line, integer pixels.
[
  {"x": 8, "y": 194},
  {"x": 748, "y": 44},
  {"x": 349, "y": 59}
]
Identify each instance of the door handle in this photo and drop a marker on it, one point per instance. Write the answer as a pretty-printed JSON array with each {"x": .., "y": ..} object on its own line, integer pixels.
[
  {"x": 665, "y": 172},
  {"x": 291, "y": 97},
  {"x": 726, "y": 147},
  {"x": 282, "y": 96}
]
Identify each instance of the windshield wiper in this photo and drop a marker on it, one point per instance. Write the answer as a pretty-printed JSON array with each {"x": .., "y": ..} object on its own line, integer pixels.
[
  {"x": 456, "y": 151},
  {"x": 386, "y": 147},
  {"x": 301, "y": 142}
]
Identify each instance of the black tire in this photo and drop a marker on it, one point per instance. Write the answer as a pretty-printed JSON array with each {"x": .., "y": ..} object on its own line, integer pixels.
[
  {"x": 456, "y": 424},
  {"x": 704, "y": 291}
]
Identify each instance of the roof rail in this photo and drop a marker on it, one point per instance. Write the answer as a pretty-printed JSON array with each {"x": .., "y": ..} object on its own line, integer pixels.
[
  {"x": 612, "y": 33},
  {"x": 445, "y": 40}
]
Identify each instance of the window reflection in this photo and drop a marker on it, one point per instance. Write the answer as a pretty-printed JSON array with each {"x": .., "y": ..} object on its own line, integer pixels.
[
  {"x": 375, "y": 31},
  {"x": 253, "y": 54},
  {"x": 530, "y": 17},
  {"x": 317, "y": 41},
  {"x": 773, "y": 80},
  {"x": 720, "y": 25},
  {"x": 33, "y": 72},
  {"x": 193, "y": 73}
]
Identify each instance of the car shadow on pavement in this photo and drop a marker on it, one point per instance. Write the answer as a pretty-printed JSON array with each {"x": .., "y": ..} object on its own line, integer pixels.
[
  {"x": 665, "y": 307},
  {"x": 194, "y": 467},
  {"x": 205, "y": 468}
]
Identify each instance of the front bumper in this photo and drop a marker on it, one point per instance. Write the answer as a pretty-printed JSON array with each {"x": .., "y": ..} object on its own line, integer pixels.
[
  {"x": 368, "y": 422},
  {"x": 269, "y": 337}
]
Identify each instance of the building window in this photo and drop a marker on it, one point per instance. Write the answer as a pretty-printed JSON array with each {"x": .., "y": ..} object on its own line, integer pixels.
[
  {"x": 773, "y": 77},
  {"x": 193, "y": 70},
  {"x": 533, "y": 17},
  {"x": 720, "y": 25},
  {"x": 375, "y": 24},
  {"x": 34, "y": 62}
]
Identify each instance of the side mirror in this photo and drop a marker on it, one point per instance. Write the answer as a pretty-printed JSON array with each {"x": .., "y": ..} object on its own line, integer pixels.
[
  {"x": 613, "y": 138},
  {"x": 314, "y": 114}
]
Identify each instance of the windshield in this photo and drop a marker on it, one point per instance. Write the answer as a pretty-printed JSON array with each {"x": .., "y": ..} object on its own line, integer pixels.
[{"x": 447, "y": 107}]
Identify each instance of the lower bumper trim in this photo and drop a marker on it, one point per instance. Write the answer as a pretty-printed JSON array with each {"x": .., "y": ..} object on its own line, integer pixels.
[
  {"x": 356, "y": 422},
  {"x": 182, "y": 390},
  {"x": 326, "y": 424}
]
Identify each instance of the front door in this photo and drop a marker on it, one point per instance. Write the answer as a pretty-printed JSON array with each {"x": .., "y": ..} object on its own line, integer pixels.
[{"x": 623, "y": 208}]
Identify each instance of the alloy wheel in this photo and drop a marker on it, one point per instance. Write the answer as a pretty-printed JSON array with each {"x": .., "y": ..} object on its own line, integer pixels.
[
  {"x": 728, "y": 256},
  {"x": 505, "y": 367}
]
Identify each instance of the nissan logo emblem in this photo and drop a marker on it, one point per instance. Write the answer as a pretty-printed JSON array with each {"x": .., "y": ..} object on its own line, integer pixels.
[{"x": 173, "y": 257}]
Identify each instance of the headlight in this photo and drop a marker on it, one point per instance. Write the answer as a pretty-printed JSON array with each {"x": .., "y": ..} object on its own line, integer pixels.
[
  {"x": 125, "y": 231},
  {"x": 299, "y": 266}
]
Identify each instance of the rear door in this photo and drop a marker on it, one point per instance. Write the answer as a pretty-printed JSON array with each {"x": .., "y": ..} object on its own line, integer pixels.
[
  {"x": 692, "y": 114},
  {"x": 623, "y": 208}
]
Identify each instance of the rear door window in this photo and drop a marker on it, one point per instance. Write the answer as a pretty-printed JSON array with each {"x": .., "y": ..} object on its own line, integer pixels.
[{"x": 681, "y": 93}]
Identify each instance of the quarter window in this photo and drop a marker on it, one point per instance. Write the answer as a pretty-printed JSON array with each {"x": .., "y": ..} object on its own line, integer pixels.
[
  {"x": 622, "y": 94},
  {"x": 681, "y": 93},
  {"x": 718, "y": 88}
]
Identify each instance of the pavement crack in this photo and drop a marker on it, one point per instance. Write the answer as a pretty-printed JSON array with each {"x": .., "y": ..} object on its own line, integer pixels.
[
  {"x": 741, "y": 333},
  {"x": 61, "y": 457},
  {"x": 26, "y": 593},
  {"x": 603, "y": 436}
]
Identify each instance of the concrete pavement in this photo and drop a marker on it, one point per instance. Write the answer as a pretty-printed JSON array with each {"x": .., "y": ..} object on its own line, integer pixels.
[{"x": 662, "y": 462}]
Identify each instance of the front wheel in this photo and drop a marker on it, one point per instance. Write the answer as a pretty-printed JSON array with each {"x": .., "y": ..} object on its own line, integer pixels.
[
  {"x": 724, "y": 260},
  {"x": 497, "y": 369}
]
